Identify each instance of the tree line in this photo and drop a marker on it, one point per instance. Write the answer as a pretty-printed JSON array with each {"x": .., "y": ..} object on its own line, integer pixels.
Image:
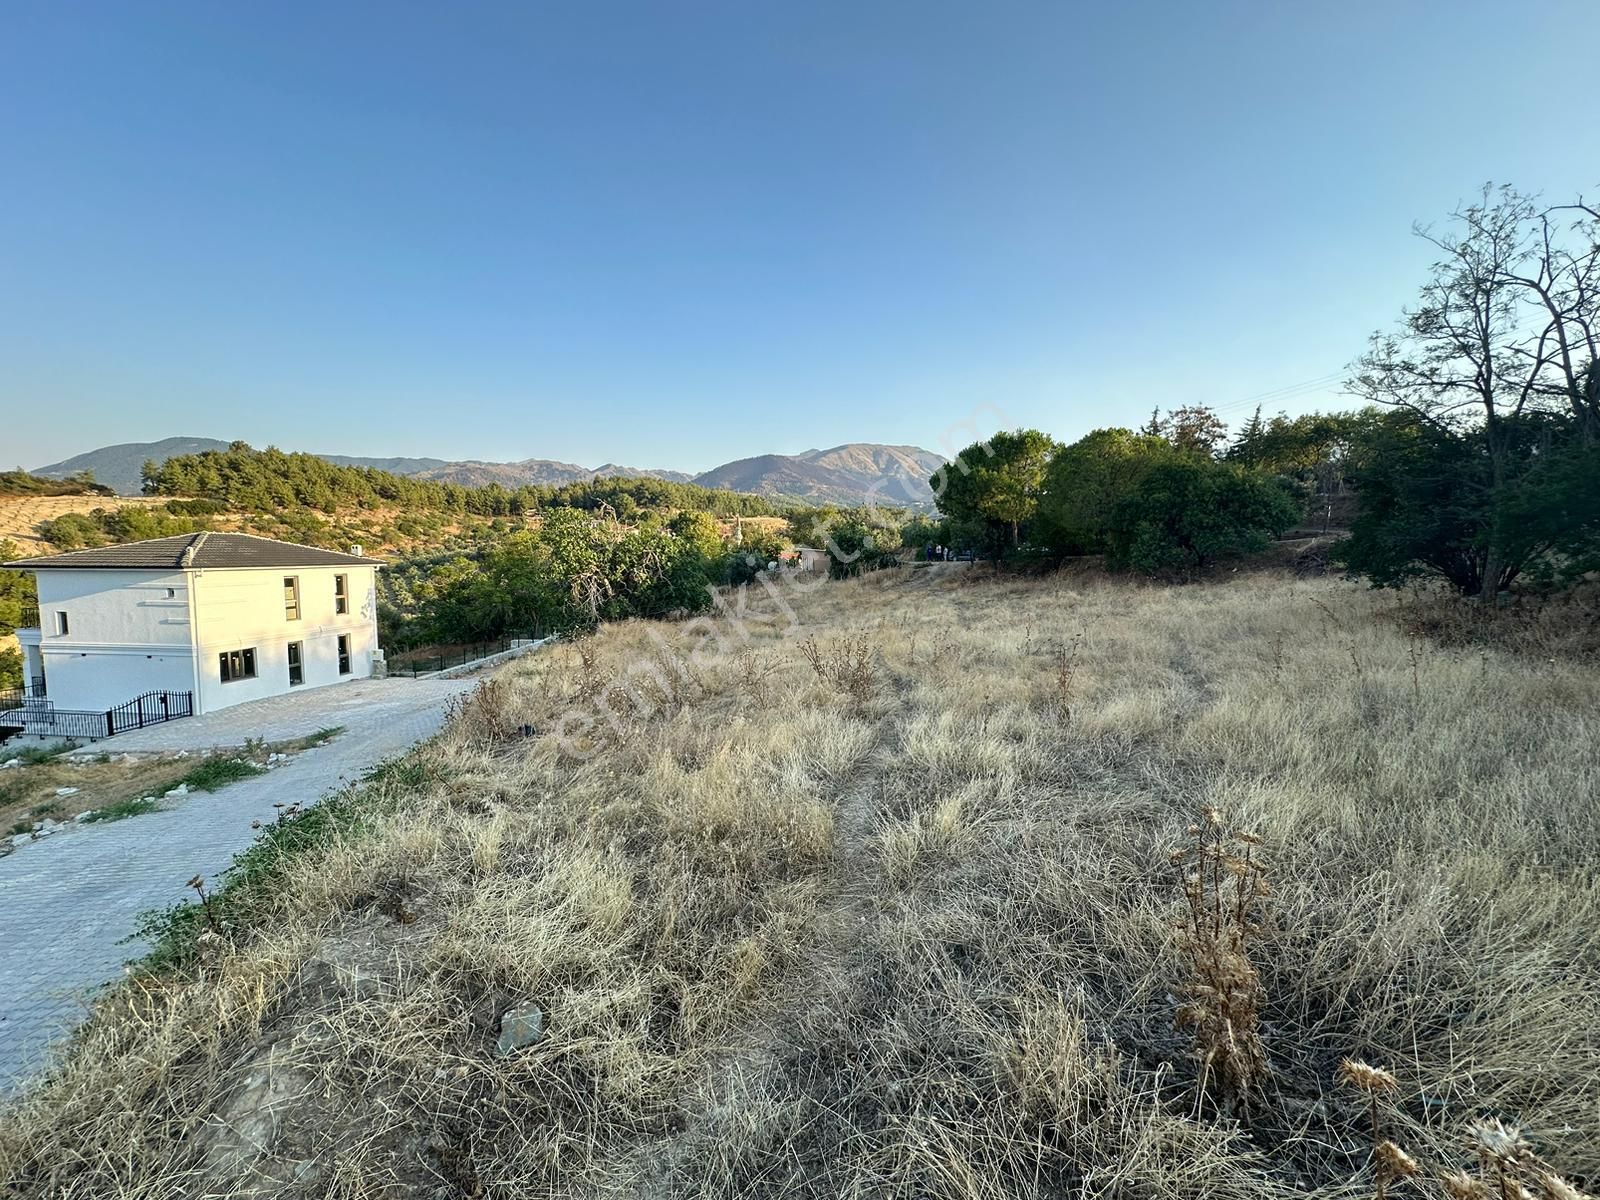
[
  {"x": 244, "y": 478},
  {"x": 569, "y": 570},
  {"x": 1475, "y": 461}
]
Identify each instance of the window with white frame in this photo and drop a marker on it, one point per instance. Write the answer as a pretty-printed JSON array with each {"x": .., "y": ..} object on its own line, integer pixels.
[
  {"x": 341, "y": 593},
  {"x": 291, "y": 597}
]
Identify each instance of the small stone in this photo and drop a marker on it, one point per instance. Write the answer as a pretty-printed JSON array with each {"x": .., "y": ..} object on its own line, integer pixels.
[
  {"x": 82, "y": 817},
  {"x": 11, "y": 762},
  {"x": 521, "y": 1026},
  {"x": 181, "y": 790},
  {"x": 182, "y": 754},
  {"x": 21, "y": 839},
  {"x": 69, "y": 791}
]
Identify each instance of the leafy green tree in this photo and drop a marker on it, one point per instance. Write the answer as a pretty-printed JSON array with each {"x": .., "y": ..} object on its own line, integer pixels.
[
  {"x": 1087, "y": 480},
  {"x": 16, "y": 593},
  {"x": 750, "y": 557},
  {"x": 1501, "y": 340},
  {"x": 997, "y": 482},
  {"x": 1187, "y": 513},
  {"x": 1429, "y": 493},
  {"x": 16, "y": 589},
  {"x": 1194, "y": 429},
  {"x": 699, "y": 533},
  {"x": 855, "y": 545},
  {"x": 920, "y": 532}
]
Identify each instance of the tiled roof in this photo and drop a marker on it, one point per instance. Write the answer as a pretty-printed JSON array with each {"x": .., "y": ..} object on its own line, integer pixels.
[{"x": 200, "y": 551}]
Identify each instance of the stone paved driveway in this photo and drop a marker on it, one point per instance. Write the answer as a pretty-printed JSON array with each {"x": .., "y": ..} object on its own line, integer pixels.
[{"x": 66, "y": 901}]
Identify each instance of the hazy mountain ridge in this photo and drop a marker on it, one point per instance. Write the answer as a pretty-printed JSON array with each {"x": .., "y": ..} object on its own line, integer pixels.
[
  {"x": 119, "y": 466},
  {"x": 848, "y": 474}
]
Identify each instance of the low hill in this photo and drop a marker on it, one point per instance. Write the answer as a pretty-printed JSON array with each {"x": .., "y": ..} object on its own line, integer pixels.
[{"x": 118, "y": 466}]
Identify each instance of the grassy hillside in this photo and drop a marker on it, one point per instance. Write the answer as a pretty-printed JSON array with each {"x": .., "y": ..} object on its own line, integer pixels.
[
  {"x": 118, "y": 467},
  {"x": 890, "y": 903}
]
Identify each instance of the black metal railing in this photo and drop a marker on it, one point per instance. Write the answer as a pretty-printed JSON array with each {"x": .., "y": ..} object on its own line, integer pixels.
[
  {"x": 32, "y": 690},
  {"x": 37, "y": 715},
  {"x": 30, "y": 616},
  {"x": 427, "y": 664},
  {"x": 152, "y": 708}
]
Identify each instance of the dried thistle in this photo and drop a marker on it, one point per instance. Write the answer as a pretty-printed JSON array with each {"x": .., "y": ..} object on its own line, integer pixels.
[
  {"x": 214, "y": 926},
  {"x": 1366, "y": 1077},
  {"x": 1391, "y": 1162},
  {"x": 846, "y": 664},
  {"x": 1458, "y": 1185},
  {"x": 1066, "y": 672},
  {"x": 1395, "y": 1162},
  {"x": 1554, "y": 1187},
  {"x": 1223, "y": 886},
  {"x": 1493, "y": 1139}
]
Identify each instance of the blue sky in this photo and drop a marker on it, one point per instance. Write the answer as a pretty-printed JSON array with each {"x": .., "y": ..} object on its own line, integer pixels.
[{"x": 672, "y": 234}]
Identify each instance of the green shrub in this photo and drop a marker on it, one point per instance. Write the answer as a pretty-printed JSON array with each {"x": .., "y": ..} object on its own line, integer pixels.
[
  {"x": 122, "y": 809},
  {"x": 219, "y": 772},
  {"x": 1187, "y": 514}
]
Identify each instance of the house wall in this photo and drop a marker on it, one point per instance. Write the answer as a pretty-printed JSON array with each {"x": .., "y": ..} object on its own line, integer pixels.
[
  {"x": 127, "y": 633},
  {"x": 237, "y": 609}
]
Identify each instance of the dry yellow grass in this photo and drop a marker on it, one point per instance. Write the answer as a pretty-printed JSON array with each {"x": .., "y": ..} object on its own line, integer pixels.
[
  {"x": 20, "y": 516},
  {"x": 795, "y": 934}
]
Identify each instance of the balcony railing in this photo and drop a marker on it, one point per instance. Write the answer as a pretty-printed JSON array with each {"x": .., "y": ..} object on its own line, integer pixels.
[{"x": 29, "y": 618}]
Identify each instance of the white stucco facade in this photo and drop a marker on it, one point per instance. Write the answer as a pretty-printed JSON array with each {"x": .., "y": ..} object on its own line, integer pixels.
[{"x": 107, "y": 636}]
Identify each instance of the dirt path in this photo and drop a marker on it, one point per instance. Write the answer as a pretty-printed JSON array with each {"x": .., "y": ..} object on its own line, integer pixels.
[{"x": 71, "y": 899}]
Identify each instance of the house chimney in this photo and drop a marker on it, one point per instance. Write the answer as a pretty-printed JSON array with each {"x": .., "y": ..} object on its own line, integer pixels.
[{"x": 356, "y": 550}]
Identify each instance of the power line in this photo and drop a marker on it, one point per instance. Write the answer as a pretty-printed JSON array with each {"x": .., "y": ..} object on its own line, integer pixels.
[{"x": 1277, "y": 395}]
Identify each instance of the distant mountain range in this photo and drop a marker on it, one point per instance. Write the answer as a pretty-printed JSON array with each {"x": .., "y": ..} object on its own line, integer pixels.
[{"x": 848, "y": 474}]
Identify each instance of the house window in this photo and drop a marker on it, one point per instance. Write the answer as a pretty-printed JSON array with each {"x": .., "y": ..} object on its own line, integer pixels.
[
  {"x": 237, "y": 664},
  {"x": 297, "y": 670},
  {"x": 61, "y": 624},
  {"x": 344, "y": 654},
  {"x": 341, "y": 593},
  {"x": 291, "y": 597}
]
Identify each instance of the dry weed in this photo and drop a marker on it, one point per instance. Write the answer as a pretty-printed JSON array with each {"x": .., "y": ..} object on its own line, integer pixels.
[
  {"x": 845, "y": 664},
  {"x": 1224, "y": 883}
]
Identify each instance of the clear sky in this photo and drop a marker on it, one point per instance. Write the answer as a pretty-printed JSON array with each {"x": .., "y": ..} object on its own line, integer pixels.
[{"x": 674, "y": 233}]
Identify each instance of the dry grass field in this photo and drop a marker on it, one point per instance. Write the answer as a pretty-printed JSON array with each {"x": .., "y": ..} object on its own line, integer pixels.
[
  {"x": 20, "y": 516},
  {"x": 883, "y": 900}
]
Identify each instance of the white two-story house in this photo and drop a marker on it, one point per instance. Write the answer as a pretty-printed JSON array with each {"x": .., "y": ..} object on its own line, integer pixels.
[{"x": 228, "y": 617}]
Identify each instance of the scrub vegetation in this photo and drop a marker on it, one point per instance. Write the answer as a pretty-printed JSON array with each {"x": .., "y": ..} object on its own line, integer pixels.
[{"x": 951, "y": 884}]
